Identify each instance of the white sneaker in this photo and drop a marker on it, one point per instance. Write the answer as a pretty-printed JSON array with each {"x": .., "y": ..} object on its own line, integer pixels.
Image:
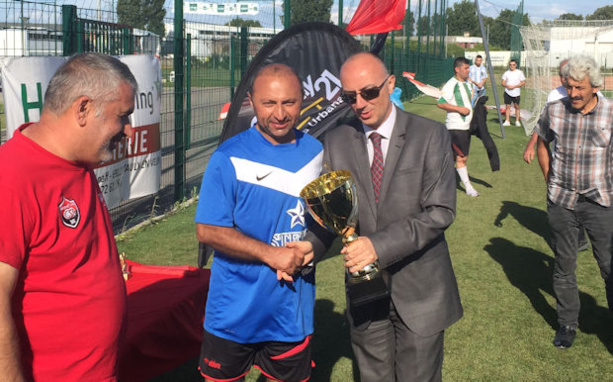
[
  {"x": 472, "y": 192},
  {"x": 506, "y": 123},
  {"x": 517, "y": 123}
]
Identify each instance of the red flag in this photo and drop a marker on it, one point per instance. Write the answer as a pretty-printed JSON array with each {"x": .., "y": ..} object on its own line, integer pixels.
[{"x": 376, "y": 16}]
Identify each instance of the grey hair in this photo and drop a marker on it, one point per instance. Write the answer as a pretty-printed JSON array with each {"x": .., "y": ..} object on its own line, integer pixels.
[
  {"x": 94, "y": 75},
  {"x": 579, "y": 67}
]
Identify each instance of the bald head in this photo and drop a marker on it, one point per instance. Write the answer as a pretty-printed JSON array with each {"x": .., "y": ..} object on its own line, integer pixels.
[
  {"x": 365, "y": 61},
  {"x": 275, "y": 70},
  {"x": 366, "y": 79}
]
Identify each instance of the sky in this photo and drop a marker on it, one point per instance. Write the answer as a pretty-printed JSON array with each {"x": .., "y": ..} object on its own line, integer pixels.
[{"x": 538, "y": 10}]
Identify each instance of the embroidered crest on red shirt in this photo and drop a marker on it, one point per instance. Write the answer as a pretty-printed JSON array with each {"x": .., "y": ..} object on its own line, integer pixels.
[{"x": 69, "y": 213}]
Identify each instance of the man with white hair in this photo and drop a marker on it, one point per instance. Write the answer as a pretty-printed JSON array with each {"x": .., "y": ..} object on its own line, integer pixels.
[{"x": 579, "y": 175}]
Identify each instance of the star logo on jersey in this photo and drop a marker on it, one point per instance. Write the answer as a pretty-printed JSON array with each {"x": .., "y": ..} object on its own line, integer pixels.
[
  {"x": 69, "y": 213},
  {"x": 297, "y": 214}
]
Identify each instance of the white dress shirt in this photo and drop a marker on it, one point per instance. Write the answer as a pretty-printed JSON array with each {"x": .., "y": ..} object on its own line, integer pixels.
[{"x": 385, "y": 130}]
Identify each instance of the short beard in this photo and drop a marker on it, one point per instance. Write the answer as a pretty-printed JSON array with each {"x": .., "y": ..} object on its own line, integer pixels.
[{"x": 105, "y": 153}]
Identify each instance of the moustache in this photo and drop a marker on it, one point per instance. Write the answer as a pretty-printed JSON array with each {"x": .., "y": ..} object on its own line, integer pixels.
[{"x": 117, "y": 137}]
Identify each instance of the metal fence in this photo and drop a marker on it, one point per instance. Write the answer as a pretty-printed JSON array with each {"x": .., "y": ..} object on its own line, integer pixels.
[{"x": 218, "y": 55}]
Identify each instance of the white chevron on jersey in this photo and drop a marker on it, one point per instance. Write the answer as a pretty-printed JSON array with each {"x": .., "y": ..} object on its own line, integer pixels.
[{"x": 276, "y": 178}]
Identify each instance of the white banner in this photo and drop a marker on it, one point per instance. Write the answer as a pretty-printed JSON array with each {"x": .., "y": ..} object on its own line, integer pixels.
[
  {"x": 226, "y": 9},
  {"x": 136, "y": 167}
]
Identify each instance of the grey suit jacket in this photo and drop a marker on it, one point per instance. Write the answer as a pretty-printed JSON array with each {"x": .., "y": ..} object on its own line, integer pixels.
[{"x": 417, "y": 203}]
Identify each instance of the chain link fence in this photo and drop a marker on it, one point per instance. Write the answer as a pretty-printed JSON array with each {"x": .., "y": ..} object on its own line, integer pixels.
[{"x": 218, "y": 55}]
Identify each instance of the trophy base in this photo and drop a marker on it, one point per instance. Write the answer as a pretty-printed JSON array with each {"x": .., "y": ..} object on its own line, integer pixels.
[
  {"x": 370, "y": 272},
  {"x": 366, "y": 292}
]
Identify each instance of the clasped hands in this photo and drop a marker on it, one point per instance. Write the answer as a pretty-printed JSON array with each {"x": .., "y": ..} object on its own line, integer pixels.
[
  {"x": 298, "y": 254},
  {"x": 292, "y": 258}
]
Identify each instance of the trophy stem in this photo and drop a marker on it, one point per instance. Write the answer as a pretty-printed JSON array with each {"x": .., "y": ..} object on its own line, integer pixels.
[
  {"x": 349, "y": 235},
  {"x": 332, "y": 201}
]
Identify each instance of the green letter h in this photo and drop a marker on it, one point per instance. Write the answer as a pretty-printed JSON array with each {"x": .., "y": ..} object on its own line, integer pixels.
[{"x": 31, "y": 105}]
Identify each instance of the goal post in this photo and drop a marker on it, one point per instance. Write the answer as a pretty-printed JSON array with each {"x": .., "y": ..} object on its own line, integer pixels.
[{"x": 547, "y": 44}]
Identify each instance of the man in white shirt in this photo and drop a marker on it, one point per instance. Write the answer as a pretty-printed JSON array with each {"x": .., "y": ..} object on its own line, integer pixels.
[{"x": 512, "y": 80}]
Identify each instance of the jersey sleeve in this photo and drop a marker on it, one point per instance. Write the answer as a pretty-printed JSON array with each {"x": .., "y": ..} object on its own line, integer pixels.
[
  {"x": 218, "y": 193},
  {"x": 13, "y": 240},
  {"x": 447, "y": 91}
]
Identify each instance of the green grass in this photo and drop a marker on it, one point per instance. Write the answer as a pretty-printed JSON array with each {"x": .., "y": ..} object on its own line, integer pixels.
[{"x": 503, "y": 264}]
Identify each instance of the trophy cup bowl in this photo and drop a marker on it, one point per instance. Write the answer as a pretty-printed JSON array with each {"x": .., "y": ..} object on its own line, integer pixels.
[{"x": 332, "y": 200}]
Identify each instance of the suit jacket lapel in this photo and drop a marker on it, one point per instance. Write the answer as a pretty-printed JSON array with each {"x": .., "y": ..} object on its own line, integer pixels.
[
  {"x": 362, "y": 171},
  {"x": 397, "y": 141}
]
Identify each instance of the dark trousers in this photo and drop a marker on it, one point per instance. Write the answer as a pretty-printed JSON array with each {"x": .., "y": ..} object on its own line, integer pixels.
[
  {"x": 565, "y": 225},
  {"x": 386, "y": 350}
]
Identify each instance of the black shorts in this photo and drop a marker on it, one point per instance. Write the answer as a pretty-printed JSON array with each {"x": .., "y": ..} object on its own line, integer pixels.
[
  {"x": 225, "y": 360},
  {"x": 509, "y": 100},
  {"x": 460, "y": 142}
]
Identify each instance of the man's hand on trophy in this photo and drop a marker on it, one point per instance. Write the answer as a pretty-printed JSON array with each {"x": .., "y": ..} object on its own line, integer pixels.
[{"x": 359, "y": 254}]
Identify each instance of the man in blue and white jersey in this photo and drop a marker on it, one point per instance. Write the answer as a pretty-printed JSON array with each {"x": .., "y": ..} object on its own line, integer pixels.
[
  {"x": 259, "y": 309},
  {"x": 477, "y": 76}
]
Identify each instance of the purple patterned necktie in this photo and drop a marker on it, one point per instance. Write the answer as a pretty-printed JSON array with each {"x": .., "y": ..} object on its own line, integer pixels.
[{"x": 376, "y": 168}]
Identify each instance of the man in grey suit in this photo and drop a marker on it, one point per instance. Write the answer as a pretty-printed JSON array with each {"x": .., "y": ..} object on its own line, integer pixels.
[{"x": 403, "y": 214}]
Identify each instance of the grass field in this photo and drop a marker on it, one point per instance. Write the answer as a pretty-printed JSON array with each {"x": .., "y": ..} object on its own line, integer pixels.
[{"x": 503, "y": 264}]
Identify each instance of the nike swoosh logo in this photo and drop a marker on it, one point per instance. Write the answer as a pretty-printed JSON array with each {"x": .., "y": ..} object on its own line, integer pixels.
[{"x": 259, "y": 178}]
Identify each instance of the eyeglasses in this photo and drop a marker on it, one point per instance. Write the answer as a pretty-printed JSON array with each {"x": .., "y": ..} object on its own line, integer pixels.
[{"x": 367, "y": 94}]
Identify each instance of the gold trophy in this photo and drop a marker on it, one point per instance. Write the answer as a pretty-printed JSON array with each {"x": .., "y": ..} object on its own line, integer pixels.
[{"x": 332, "y": 200}]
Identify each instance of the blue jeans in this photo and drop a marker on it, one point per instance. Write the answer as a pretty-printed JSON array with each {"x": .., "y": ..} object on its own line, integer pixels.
[{"x": 565, "y": 225}]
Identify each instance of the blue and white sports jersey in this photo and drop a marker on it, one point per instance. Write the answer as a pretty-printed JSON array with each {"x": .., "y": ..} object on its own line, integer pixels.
[{"x": 254, "y": 186}]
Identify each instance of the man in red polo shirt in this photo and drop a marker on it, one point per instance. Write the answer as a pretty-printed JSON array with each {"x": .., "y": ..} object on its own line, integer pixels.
[{"x": 62, "y": 295}]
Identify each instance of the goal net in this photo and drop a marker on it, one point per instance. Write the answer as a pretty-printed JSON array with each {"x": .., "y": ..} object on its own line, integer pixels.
[{"x": 547, "y": 44}]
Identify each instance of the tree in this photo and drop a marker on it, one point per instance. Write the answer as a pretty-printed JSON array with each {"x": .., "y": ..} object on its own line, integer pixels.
[
  {"x": 433, "y": 23},
  {"x": 462, "y": 18},
  {"x": 238, "y": 22},
  {"x": 129, "y": 13},
  {"x": 570, "y": 17},
  {"x": 422, "y": 26},
  {"x": 303, "y": 11},
  {"x": 409, "y": 23},
  {"x": 155, "y": 17},
  {"x": 500, "y": 29},
  {"x": 142, "y": 14},
  {"x": 604, "y": 13}
]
